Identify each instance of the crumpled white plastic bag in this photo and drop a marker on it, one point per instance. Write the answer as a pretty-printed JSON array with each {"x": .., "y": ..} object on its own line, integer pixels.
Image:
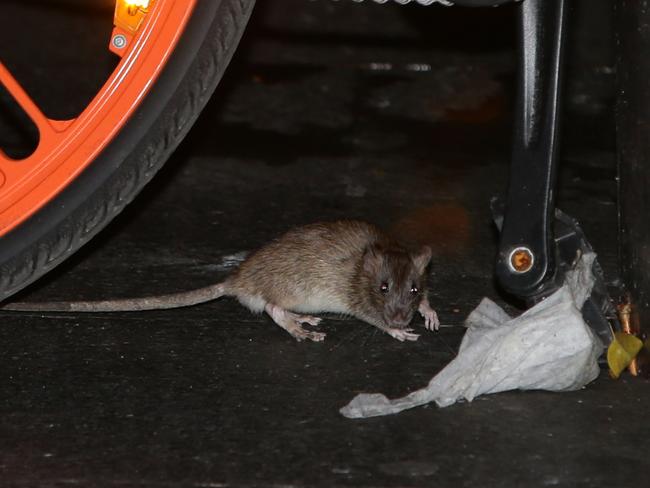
[{"x": 549, "y": 347}]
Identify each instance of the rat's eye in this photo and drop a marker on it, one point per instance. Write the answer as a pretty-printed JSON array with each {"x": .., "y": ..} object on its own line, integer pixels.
[
  {"x": 414, "y": 289},
  {"x": 384, "y": 287}
]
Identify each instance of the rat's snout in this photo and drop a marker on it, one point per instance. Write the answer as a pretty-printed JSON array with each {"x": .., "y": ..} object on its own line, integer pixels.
[{"x": 399, "y": 318}]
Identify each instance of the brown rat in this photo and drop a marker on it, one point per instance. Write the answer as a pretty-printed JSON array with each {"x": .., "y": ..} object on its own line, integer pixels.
[{"x": 347, "y": 267}]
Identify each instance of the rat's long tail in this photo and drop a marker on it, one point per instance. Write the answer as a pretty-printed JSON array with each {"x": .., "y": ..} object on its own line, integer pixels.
[{"x": 159, "y": 302}]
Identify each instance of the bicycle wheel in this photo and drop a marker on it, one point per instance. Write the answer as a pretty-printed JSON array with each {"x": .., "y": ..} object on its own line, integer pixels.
[{"x": 85, "y": 171}]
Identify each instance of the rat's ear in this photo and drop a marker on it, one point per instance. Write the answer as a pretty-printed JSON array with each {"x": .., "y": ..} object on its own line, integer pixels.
[
  {"x": 372, "y": 259},
  {"x": 421, "y": 258}
]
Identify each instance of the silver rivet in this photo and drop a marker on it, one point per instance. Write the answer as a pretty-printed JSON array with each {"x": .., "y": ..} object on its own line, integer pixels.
[{"x": 119, "y": 41}]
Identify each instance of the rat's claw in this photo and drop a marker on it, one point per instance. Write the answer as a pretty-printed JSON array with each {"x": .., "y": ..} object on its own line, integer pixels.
[
  {"x": 402, "y": 334},
  {"x": 308, "y": 319},
  {"x": 411, "y": 337},
  {"x": 431, "y": 321},
  {"x": 301, "y": 334}
]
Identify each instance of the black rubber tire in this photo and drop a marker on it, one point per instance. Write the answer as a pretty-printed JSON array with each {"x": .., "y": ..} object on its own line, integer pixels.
[{"x": 146, "y": 141}]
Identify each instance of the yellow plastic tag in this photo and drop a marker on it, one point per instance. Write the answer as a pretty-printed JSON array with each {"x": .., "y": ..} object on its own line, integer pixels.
[{"x": 621, "y": 352}]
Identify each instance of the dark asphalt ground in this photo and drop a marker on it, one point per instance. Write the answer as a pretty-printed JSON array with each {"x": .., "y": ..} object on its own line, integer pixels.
[{"x": 396, "y": 115}]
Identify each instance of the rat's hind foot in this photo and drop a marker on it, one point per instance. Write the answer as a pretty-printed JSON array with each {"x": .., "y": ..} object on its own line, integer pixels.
[
  {"x": 290, "y": 322},
  {"x": 304, "y": 319},
  {"x": 431, "y": 321}
]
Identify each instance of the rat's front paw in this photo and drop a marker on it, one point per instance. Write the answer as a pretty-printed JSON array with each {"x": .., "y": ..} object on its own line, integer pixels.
[
  {"x": 402, "y": 334},
  {"x": 431, "y": 321}
]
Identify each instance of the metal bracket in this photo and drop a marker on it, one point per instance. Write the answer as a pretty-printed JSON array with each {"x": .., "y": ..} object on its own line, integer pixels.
[
  {"x": 568, "y": 245},
  {"x": 526, "y": 261}
]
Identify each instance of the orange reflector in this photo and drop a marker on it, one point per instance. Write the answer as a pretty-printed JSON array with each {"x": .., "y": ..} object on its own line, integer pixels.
[{"x": 129, "y": 15}]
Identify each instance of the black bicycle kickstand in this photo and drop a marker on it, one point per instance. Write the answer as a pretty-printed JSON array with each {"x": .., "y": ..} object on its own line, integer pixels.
[{"x": 539, "y": 243}]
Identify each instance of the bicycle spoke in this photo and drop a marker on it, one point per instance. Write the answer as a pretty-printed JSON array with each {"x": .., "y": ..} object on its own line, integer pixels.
[{"x": 25, "y": 102}]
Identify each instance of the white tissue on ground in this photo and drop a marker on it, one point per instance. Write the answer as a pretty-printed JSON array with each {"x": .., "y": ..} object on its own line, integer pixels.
[{"x": 549, "y": 347}]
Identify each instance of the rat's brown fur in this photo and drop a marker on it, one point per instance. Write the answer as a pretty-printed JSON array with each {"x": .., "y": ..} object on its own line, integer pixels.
[{"x": 333, "y": 267}]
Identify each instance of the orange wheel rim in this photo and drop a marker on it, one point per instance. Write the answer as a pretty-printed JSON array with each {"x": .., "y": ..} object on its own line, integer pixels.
[{"x": 66, "y": 148}]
